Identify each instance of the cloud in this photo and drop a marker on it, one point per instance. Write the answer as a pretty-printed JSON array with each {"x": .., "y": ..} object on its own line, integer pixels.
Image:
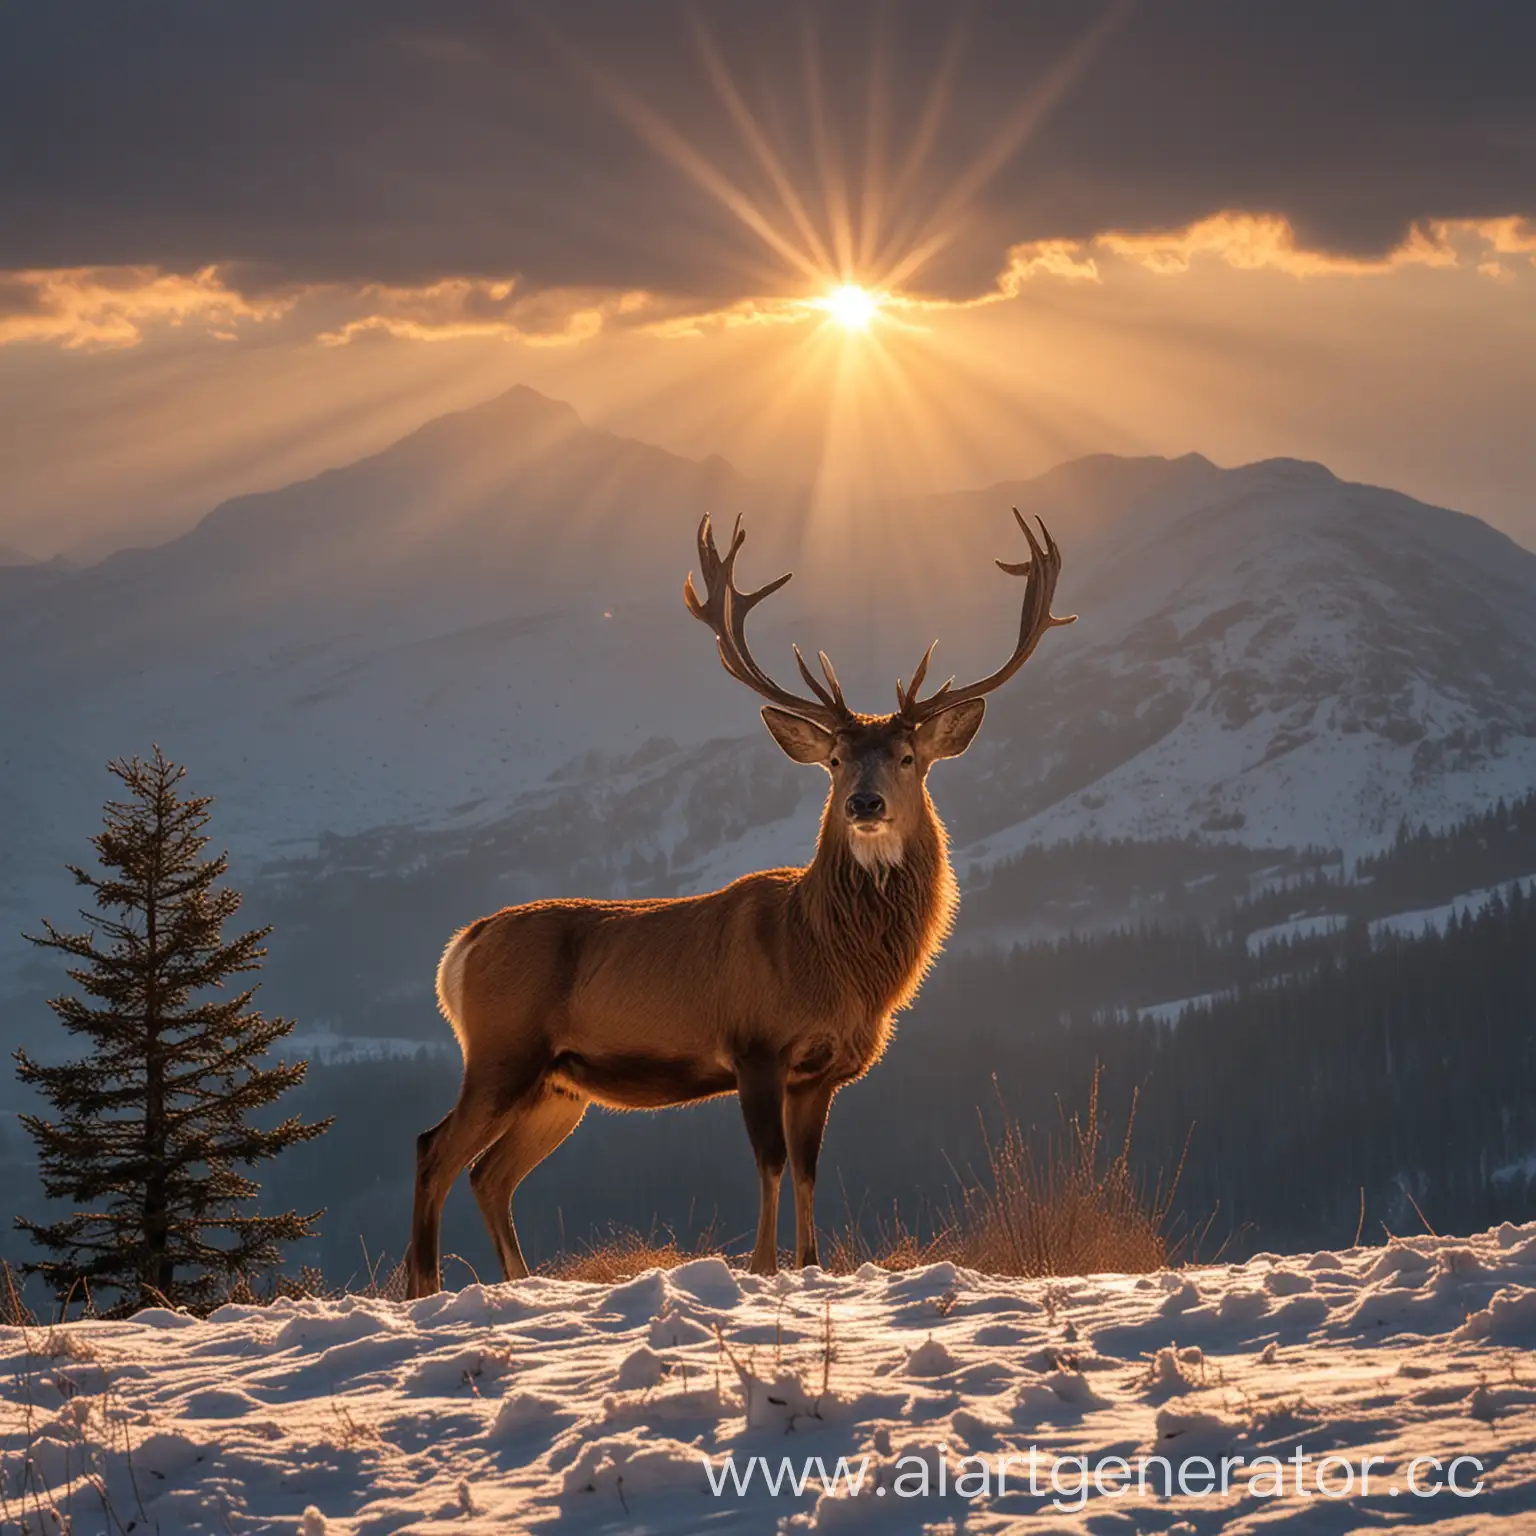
[
  {"x": 460, "y": 307},
  {"x": 106, "y": 307},
  {"x": 379, "y": 142},
  {"x": 109, "y": 308},
  {"x": 1505, "y": 237},
  {"x": 729, "y": 317},
  {"x": 115, "y": 307},
  {"x": 1249, "y": 241},
  {"x": 1046, "y": 258}
]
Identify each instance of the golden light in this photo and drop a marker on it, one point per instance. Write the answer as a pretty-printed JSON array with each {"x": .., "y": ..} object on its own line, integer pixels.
[
  {"x": 834, "y": 290},
  {"x": 851, "y": 307}
]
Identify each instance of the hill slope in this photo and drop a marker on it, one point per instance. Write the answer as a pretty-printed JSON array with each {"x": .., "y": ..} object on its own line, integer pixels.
[{"x": 675, "y": 1401}]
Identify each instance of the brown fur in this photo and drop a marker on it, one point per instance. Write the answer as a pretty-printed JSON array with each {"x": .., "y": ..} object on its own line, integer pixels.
[
  {"x": 779, "y": 988},
  {"x": 644, "y": 1004}
]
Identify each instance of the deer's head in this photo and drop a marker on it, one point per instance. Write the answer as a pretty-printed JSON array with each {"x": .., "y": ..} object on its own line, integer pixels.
[{"x": 878, "y": 763}]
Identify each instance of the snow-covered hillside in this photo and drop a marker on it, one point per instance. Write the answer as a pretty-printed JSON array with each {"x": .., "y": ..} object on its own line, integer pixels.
[
  {"x": 1282, "y": 658},
  {"x": 475, "y": 639},
  {"x": 1331, "y": 1391}
]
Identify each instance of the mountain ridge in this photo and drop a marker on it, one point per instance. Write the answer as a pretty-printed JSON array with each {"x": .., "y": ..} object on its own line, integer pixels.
[{"x": 480, "y": 627}]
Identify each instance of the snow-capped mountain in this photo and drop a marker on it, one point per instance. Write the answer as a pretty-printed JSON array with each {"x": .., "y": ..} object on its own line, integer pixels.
[
  {"x": 469, "y": 651},
  {"x": 1277, "y": 656}
]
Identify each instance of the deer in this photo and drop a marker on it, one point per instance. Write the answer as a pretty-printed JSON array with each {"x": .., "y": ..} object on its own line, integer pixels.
[{"x": 780, "y": 988}]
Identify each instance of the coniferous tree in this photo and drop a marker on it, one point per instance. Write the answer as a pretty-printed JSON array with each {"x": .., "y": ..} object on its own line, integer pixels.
[{"x": 155, "y": 1121}]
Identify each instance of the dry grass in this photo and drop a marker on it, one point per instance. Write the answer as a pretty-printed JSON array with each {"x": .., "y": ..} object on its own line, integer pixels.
[
  {"x": 624, "y": 1254},
  {"x": 1078, "y": 1208},
  {"x": 14, "y": 1312},
  {"x": 1075, "y": 1207},
  {"x": 45, "y": 1340},
  {"x": 244, "y": 1290},
  {"x": 66, "y": 1344},
  {"x": 309, "y": 1285},
  {"x": 250, "y": 1291},
  {"x": 895, "y": 1246}
]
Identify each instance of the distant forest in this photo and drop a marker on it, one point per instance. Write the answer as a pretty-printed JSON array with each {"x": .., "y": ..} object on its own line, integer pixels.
[{"x": 1306, "y": 1075}]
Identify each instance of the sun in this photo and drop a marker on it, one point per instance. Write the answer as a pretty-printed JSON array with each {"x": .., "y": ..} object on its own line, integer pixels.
[{"x": 851, "y": 307}]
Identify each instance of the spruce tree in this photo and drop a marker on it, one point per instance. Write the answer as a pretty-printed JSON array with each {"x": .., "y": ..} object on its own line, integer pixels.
[{"x": 155, "y": 1120}]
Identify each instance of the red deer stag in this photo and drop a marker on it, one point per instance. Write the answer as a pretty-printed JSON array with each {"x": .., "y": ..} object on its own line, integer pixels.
[{"x": 779, "y": 988}]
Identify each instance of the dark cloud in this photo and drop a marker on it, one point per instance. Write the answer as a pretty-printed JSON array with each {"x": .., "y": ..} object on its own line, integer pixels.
[{"x": 396, "y": 143}]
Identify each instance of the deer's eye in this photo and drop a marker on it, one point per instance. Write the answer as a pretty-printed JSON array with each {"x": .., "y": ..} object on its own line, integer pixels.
[
  {"x": 836, "y": 762},
  {"x": 907, "y": 761}
]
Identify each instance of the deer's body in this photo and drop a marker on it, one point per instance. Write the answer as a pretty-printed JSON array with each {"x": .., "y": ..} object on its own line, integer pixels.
[
  {"x": 779, "y": 988},
  {"x": 645, "y": 1004}
]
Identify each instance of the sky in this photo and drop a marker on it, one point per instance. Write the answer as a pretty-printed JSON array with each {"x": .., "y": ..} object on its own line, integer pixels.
[{"x": 240, "y": 243}]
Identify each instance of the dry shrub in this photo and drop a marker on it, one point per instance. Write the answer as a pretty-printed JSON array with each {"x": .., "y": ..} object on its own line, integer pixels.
[
  {"x": 391, "y": 1287},
  {"x": 254, "y": 1291},
  {"x": 1077, "y": 1209},
  {"x": 895, "y": 1246},
  {"x": 65, "y": 1344},
  {"x": 1080, "y": 1209},
  {"x": 625, "y": 1253},
  {"x": 309, "y": 1285},
  {"x": 14, "y": 1312}
]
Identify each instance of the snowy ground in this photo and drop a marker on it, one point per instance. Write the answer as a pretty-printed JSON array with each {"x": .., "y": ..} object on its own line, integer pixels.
[
  {"x": 503, "y": 1407},
  {"x": 1412, "y": 924}
]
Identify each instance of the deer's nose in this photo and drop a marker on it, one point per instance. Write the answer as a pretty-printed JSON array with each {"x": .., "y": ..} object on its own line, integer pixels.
[{"x": 865, "y": 806}]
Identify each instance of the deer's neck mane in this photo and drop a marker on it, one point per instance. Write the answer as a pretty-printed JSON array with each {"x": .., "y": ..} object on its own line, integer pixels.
[{"x": 878, "y": 929}]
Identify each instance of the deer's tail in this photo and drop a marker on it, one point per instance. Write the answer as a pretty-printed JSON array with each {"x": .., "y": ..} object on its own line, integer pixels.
[{"x": 450, "y": 982}]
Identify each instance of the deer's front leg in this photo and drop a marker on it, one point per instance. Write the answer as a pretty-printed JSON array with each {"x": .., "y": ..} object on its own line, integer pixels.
[
  {"x": 760, "y": 1086},
  {"x": 806, "y": 1121}
]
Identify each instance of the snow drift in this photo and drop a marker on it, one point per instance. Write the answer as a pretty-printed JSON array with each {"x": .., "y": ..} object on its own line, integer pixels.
[{"x": 707, "y": 1400}]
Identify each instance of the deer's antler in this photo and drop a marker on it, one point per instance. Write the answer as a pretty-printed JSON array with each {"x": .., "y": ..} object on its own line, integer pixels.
[
  {"x": 725, "y": 608},
  {"x": 1042, "y": 568}
]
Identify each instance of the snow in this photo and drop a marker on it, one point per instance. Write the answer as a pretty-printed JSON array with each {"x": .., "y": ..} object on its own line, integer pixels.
[
  {"x": 323, "y": 1044},
  {"x": 505, "y": 1407},
  {"x": 1521, "y": 1172},
  {"x": 1318, "y": 926},
  {"x": 1170, "y": 1013},
  {"x": 1293, "y": 636},
  {"x": 1413, "y": 924}
]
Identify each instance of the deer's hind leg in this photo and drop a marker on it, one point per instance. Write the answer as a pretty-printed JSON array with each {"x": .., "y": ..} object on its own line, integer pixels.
[
  {"x": 441, "y": 1154},
  {"x": 532, "y": 1130},
  {"x": 446, "y": 1150}
]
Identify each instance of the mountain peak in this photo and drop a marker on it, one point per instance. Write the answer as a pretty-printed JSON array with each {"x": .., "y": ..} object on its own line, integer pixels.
[
  {"x": 516, "y": 412},
  {"x": 1120, "y": 475},
  {"x": 522, "y": 403},
  {"x": 1302, "y": 470}
]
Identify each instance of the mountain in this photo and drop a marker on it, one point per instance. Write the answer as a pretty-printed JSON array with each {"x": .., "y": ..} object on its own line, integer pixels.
[
  {"x": 459, "y": 673},
  {"x": 455, "y": 611},
  {"x": 1275, "y": 655},
  {"x": 10, "y": 555}
]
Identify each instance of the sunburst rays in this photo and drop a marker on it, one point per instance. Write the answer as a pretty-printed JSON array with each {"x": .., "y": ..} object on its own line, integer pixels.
[{"x": 847, "y": 213}]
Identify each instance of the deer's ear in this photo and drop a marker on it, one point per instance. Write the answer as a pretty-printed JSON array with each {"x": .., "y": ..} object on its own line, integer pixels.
[
  {"x": 950, "y": 733},
  {"x": 800, "y": 739}
]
